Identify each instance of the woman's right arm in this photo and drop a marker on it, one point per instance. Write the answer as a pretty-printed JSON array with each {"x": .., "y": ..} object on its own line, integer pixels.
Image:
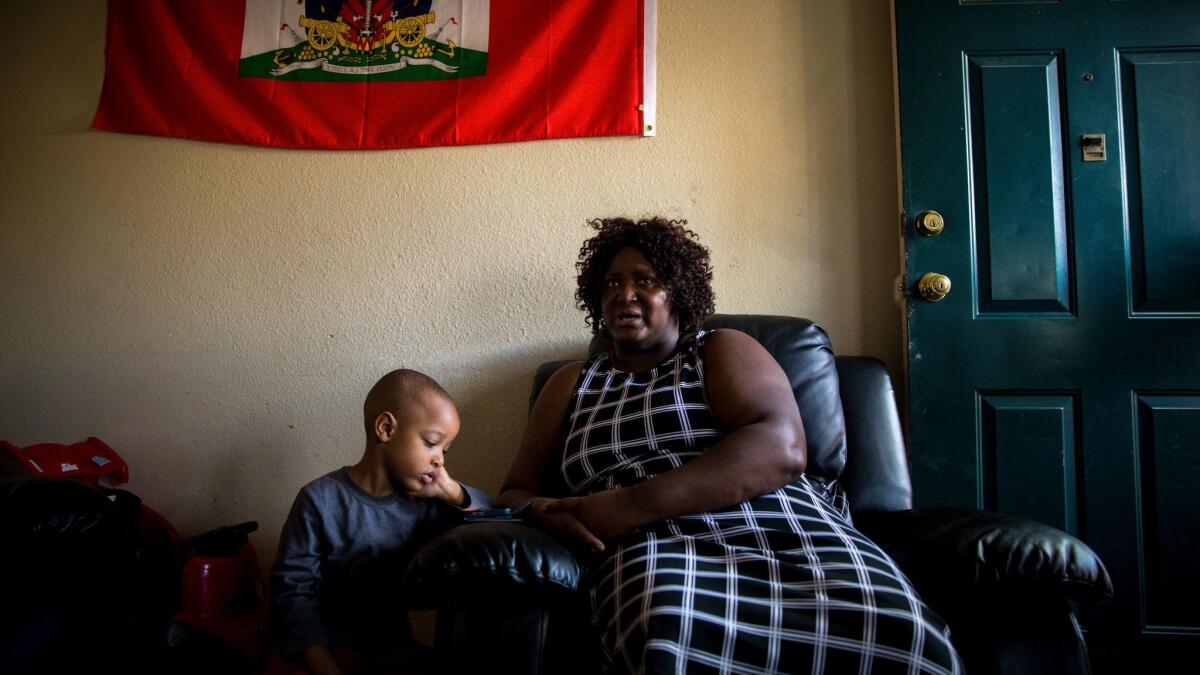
[{"x": 541, "y": 447}]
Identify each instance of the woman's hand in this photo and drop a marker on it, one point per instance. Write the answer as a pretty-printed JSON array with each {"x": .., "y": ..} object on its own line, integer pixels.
[
  {"x": 562, "y": 523},
  {"x": 607, "y": 515}
]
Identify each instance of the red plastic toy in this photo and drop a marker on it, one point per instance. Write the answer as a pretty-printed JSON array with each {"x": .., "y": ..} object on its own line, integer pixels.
[
  {"x": 86, "y": 461},
  {"x": 223, "y": 590}
]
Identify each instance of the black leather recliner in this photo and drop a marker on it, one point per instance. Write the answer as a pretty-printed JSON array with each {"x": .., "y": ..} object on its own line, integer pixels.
[{"x": 509, "y": 596}]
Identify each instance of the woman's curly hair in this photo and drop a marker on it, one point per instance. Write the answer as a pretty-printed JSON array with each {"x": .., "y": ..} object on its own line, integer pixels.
[{"x": 674, "y": 252}]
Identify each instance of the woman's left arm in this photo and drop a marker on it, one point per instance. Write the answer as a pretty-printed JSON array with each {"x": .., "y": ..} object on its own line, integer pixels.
[{"x": 762, "y": 448}]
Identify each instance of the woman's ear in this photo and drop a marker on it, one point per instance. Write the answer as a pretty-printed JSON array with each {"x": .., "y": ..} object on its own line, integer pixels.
[{"x": 385, "y": 426}]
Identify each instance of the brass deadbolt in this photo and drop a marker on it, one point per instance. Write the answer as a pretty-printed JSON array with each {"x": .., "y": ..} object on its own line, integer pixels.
[
  {"x": 933, "y": 286},
  {"x": 930, "y": 223}
]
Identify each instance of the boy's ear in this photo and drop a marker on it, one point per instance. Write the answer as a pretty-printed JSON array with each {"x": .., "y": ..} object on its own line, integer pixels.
[{"x": 385, "y": 426}]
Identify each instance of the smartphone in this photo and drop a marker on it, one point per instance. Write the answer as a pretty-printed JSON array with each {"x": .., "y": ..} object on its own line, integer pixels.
[{"x": 483, "y": 515}]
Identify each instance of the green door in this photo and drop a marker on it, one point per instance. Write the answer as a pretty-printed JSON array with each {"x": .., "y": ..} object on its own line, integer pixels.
[{"x": 1059, "y": 378}]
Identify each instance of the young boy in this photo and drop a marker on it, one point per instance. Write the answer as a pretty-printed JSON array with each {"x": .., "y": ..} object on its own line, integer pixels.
[{"x": 336, "y": 580}]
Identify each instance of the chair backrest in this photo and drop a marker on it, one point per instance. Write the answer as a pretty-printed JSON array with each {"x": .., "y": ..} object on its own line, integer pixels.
[
  {"x": 803, "y": 349},
  {"x": 847, "y": 404}
]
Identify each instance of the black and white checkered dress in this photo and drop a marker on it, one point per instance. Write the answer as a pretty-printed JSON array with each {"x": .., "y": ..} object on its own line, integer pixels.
[{"x": 782, "y": 583}]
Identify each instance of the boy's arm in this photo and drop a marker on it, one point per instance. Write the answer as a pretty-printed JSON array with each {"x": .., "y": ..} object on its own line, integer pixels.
[
  {"x": 295, "y": 577},
  {"x": 319, "y": 661},
  {"x": 475, "y": 498}
]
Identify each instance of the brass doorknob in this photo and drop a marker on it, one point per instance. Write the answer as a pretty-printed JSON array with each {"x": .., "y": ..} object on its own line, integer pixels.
[
  {"x": 933, "y": 286},
  {"x": 930, "y": 223}
]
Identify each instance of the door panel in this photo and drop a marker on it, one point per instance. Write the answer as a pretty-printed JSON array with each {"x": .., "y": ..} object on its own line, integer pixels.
[
  {"x": 1169, "y": 472},
  {"x": 1160, "y": 104},
  {"x": 1030, "y": 455},
  {"x": 1060, "y": 378},
  {"x": 1018, "y": 189}
]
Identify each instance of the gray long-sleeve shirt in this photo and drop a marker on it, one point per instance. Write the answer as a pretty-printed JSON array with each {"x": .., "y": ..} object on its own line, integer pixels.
[{"x": 342, "y": 553}]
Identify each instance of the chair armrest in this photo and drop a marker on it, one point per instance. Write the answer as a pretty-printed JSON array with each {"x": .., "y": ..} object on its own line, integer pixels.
[
  {"x": 483, "y": 560},
  {"x": 955, "y": 551}
]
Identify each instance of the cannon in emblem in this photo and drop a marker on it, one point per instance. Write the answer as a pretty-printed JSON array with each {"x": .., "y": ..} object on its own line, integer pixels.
[
  {"x": 323, "y": 34},
  {"x": 409, "y": 31}
]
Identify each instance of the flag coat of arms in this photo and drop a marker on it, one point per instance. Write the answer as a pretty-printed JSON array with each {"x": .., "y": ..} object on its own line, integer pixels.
[{"x": 355, "y": 74}]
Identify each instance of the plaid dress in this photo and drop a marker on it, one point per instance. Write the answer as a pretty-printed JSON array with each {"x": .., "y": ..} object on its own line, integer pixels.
[{"x": 781, "y": 583}]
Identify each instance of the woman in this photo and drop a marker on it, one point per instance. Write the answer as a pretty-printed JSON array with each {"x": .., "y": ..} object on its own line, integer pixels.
[{"x": 685, "y": 456}]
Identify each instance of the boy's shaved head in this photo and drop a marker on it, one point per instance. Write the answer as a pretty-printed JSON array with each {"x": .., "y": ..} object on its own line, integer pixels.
[{"x": 397, "y": 390}]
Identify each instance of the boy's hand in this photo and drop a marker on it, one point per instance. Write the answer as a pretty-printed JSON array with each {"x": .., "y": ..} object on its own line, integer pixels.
[{"x": 442, "y": 487}]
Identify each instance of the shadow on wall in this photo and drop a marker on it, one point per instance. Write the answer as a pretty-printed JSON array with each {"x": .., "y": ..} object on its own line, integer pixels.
[
  {"x": 849, "y": 127},
  {"x": 493, "y": 400}
]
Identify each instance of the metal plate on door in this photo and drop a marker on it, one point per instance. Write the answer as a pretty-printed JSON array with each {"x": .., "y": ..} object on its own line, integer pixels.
[{"x": 1093, "y": 147}]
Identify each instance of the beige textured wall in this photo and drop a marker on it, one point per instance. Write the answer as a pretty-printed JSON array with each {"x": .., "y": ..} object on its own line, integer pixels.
[{"x": 216, "y": 312}]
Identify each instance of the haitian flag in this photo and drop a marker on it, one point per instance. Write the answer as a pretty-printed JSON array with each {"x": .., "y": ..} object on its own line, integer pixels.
[{"x": 369, "y": 74}]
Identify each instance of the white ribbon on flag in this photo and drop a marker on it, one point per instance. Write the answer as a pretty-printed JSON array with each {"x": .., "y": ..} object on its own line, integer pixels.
[
  {"x": 389, "y": 67},
  {"x": 298, "y": 65},
  {"x": 324, "y": 64}
]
